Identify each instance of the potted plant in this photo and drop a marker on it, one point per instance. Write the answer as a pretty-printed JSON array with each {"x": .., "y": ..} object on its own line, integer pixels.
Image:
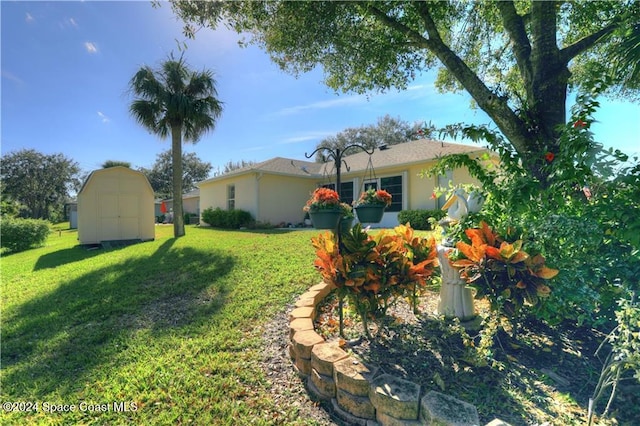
[
  {"x": 324, "y": 208},
  {"x": 347, "y": 218},
  {"x": 371, "y": 204}
]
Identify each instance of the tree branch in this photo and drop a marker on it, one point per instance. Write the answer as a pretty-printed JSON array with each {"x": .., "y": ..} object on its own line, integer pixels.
[
  {"x": 585, "y": 43},
  {"x": 515, "y": 26},
  {"x": 497, "y": 108}
]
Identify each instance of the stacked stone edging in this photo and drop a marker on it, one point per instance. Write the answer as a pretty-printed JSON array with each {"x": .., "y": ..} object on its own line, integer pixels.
[{"x": 358, "y": 394}]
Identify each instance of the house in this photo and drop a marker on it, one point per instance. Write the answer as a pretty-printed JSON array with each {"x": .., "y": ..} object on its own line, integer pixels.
[
  {"x": 275, "y": 190},
  {"x": 190, "y": 202},
  {"x": 115, "y": 203}
]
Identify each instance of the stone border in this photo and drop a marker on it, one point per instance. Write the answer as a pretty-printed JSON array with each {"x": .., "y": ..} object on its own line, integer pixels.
[{"x": 358, "y": 394}]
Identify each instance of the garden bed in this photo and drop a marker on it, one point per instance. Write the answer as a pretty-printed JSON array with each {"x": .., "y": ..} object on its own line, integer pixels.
[{"x": 547, "y": 374}]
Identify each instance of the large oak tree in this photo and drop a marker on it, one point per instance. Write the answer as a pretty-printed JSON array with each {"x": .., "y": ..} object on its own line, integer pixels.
[
  {"x": 40, "y": 182},
  {"x": 517, "y": 59}
]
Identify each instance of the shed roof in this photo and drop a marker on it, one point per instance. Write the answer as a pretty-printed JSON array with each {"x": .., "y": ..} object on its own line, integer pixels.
[{"x": 114, "y": 169}]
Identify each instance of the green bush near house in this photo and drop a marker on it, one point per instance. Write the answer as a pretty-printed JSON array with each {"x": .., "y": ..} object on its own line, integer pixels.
[
  {"x": 227, "y": 219},
  {"x": 419, "y": 219},
  {"x": 22, "y": 234}
]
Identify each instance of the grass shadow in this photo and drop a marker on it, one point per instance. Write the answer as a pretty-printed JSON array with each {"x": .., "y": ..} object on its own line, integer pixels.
[
  {"x": 53, "y": 340},
  {"x": 69, "y": 255}
]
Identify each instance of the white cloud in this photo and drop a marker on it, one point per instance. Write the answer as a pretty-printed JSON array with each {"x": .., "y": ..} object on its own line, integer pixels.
[
  {"x": 104, "y": 118},
  {"x": 310, "y": 136},
  {"x": 332, "y": 103},
  {"x": 29, "y": 18},
  {"x": 90, "y": 47},
  {"x": 12, "y": 77},
  {"x": 72, "y": 22}
]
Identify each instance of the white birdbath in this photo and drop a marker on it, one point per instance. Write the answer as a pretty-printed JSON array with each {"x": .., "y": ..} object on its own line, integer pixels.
[{"x": 456, "y": 299}]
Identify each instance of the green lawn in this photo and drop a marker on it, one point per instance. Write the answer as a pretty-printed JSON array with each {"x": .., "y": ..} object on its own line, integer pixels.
[{"x": 168, "y": 329}]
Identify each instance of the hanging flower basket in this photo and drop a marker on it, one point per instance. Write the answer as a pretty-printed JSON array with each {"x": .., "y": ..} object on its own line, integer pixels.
[
  {"x": 371, "y": 204},
  {"x": 370, "y": 214},
  {"x": 325, "y": 218},
  {"x": 324, "y": 209}
]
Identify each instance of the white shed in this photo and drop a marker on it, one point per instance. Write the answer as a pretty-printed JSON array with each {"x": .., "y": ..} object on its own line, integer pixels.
[{"x": 114, "y": 204}]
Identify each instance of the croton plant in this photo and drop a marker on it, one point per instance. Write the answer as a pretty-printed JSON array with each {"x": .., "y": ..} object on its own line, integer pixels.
[
  {"x": 501, "y": 271},
  {"x": 371, "y": 269}
]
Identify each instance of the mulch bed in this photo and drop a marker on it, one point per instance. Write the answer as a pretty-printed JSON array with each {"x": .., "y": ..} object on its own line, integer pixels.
[{"x": 545, "y": 375}]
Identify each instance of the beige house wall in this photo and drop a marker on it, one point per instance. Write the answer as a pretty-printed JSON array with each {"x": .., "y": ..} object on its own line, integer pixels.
[
  {"x": 214, "y": 194},
  {"x": 281, "y": 198},
  {"x": 115, "y": 204},
  {"x": 191, "y": 205}
]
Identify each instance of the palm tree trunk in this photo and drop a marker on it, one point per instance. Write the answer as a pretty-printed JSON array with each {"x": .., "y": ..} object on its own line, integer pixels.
[{"x": 176, "y": 158}]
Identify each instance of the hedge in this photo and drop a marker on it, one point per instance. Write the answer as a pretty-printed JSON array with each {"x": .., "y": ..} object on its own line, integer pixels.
[
  {"x": 22, "y": 234},
  {"x": 227, "y": 219},
  {"x": 419, "y": 219}
]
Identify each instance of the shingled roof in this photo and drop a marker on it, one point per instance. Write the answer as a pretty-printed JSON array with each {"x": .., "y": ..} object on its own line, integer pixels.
[{"x": 407, "y": 153}]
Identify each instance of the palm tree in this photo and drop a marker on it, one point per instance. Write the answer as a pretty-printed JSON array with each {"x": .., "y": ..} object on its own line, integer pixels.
[{"x": 178, "y": 101}]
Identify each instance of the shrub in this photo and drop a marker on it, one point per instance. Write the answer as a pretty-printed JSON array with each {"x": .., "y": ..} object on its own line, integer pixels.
[
  {"x": 419, "y": 219},
  {"x": 22, "y": 234},
  {"x": 227, "y": 219},
  {"x": 191, "y": 219},
  {"x": 372, "y": 269}
]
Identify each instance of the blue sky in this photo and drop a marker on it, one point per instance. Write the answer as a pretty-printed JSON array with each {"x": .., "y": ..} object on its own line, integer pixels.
[{"x": 66, "y": 67}]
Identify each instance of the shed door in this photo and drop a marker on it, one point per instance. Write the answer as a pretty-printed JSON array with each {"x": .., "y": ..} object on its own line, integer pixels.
[{"x": 118, "y": 216}]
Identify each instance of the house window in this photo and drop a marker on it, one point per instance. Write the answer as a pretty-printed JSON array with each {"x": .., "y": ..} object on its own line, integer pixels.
[
  {"x": 371, "y": 185},
  {"x": 231, "y": 197},
  {"x": 393, "y": 185}
]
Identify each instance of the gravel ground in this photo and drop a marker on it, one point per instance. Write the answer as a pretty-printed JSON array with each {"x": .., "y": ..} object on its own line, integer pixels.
[{"x": 287, "y": 387}]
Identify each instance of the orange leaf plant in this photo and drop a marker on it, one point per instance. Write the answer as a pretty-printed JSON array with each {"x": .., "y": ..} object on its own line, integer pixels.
[
  {"x": 501, "y": 271},
  {"x": 372, "y": 269}
]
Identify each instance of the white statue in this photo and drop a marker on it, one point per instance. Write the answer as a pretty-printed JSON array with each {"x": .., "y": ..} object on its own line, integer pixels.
[
  {"x": 456, "y": 299},
  {"x": 458, "y": 206}
]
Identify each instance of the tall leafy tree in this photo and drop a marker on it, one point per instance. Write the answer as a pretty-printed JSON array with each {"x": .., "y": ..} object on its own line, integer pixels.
[
  {"x": 387, "y": 131},
  {"x": 161, "y": 173},
  {"x": 517, "y": 59},
  {"x": 174, "y": 100},
  {"x": 39, "y": 182}
]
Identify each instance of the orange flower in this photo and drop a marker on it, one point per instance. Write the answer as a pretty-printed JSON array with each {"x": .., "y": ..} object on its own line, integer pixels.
[
  {"x": 579, "y": 124},
  {"x": 322, "y": 198},
  {"x": 549, "y": 156}
]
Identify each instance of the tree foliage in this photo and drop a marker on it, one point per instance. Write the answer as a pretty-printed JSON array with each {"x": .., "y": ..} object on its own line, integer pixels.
[
  {"x": 387, "y": 131},
  {"x": 161, "y": 173},
  {"x": 175, "y": 100},
  {"x": 231, "y": 165},
  {"x": 115, "y": 163},
  {"x": 516, "y": 59},
  {"x": 39, "y": 182}
]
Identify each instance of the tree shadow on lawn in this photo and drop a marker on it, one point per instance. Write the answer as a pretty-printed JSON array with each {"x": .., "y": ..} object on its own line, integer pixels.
[
  {"x": 55, "y": 339},
  {"x": 69, "y": 255}
]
